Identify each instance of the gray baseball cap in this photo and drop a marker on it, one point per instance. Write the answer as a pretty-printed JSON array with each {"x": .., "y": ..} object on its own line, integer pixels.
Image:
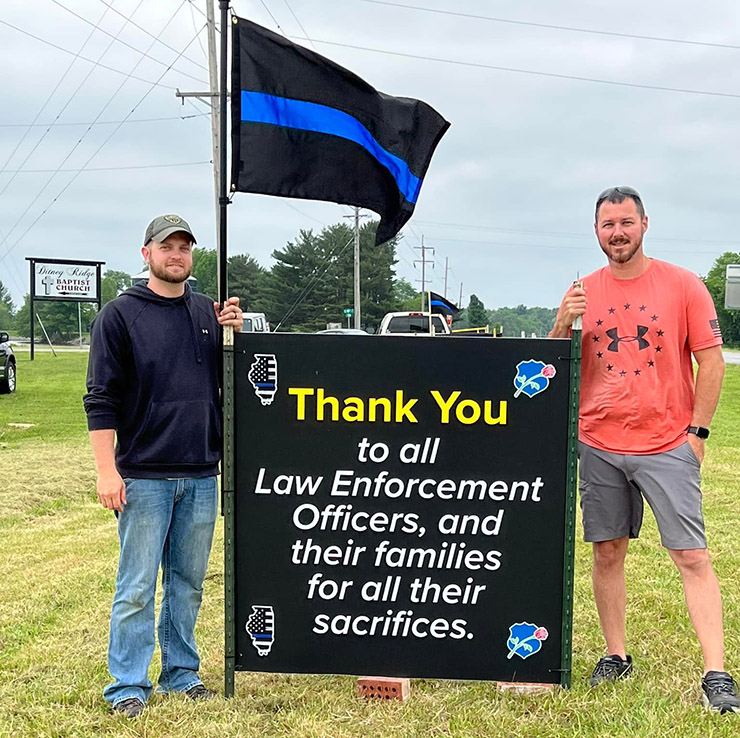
[{"x": 165, "y": 225}]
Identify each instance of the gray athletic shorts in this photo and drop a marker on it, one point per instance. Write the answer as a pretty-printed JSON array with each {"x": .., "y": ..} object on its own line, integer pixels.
[{"x": 612, "y": 487}]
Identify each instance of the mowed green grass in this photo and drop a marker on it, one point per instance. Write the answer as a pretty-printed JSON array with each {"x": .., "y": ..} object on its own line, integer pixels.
[{"x": 58, "y": 551}]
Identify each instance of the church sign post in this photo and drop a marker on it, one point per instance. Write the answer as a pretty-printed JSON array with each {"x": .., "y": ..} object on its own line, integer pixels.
[{"x": 62, "y": 280}]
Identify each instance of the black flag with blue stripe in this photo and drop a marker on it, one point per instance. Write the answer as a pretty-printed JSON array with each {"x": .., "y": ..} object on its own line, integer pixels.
[
  {"x": 304, "y": 127},
  {"x": 439, "y": 304}
]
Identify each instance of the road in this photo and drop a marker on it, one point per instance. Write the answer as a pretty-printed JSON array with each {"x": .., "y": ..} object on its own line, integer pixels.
[{"x": 731, "y": 357}]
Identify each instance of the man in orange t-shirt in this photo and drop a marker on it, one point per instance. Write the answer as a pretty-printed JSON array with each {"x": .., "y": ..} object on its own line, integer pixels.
[{"x": 644, "y": 421}]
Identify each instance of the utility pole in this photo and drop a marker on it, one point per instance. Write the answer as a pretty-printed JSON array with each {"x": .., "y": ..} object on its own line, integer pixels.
[
  {"x": 424, "y": 261},
  {"x": 447, "y": 269},
  {"x": 459, "y": 302},
  {"x": 213, "y": 100},
  {"x": 215, "y": 113},
  {"x": 357, "y": 299}
]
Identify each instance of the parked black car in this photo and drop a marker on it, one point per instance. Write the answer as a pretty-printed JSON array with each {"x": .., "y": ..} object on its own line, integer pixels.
[{"x": 7, "y": 365}]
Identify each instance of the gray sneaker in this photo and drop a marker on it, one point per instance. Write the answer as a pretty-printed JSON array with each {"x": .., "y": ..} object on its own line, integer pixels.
[
  {"x": 720, "y": 692},
  {"x": 610, "y": 669},
  {"x": 131, "y": 707}
]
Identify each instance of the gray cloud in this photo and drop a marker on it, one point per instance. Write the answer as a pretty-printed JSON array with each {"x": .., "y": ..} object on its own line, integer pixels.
[{"x": 514, "y": 178}]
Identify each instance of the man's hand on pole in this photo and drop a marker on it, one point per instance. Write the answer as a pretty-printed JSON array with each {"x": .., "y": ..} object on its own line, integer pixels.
[
  {"x": 572, "y": 306},
  {"x": 231, "y": 314}
]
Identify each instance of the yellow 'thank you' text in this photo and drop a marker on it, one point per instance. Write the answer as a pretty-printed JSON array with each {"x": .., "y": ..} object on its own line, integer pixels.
[
  {"x": 313, "y": 402},
  {"x": 355, "y": 409}
]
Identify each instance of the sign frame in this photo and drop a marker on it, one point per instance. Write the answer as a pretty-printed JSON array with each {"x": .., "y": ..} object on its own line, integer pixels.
[
  {"x": 569, "y": 513},
  {"x": 33, "y": 261}
]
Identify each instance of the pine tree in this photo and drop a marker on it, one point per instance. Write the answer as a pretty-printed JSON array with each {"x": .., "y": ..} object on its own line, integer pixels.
[
  {"x": 205, "y": 271},
  {"x": 7, "y": 311},
  {"x": 246, "y": 281},
  {"x": 312, "y": 280},
  {"x": 477, "y": 317}
]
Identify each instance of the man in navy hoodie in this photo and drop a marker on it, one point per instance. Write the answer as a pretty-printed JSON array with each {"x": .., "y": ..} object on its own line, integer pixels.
[{"x": 153, "y": 412}]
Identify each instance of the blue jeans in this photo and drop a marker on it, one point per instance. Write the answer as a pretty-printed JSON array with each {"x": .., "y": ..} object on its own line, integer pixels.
[{"x": 168, "y": 522}]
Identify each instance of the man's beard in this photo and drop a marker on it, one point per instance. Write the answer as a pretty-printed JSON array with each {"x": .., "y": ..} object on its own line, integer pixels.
[
  {"x": 625, "y": 255},
  {"x": 161, "y": 273}
]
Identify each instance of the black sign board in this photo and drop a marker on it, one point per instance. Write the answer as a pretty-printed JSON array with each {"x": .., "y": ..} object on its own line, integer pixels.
[{"x": 400, "y": 506}]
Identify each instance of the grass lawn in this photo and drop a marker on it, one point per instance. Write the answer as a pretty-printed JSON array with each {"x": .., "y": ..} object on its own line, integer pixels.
[{"x": 58, "y": 563}]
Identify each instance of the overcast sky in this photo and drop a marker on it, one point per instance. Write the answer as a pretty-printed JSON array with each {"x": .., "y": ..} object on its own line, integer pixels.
[{"x": 509, "y": 195}]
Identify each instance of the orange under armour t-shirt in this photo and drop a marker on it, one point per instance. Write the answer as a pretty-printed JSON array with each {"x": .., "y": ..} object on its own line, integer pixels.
[{"x": 637, "y": 379}]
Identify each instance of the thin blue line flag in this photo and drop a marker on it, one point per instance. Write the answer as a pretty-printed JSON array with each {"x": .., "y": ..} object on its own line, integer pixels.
[
  {"x": 304, "y": 127},
  {"x": 439, "y": 304}
]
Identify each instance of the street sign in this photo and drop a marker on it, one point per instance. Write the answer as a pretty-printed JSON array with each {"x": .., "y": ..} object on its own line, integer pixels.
[{"x": 348, "y": 311}]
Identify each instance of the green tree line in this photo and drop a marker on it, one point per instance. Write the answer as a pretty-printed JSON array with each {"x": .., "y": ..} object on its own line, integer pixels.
[
  {"x": 310, "y": 284},
  {"x": 507, "y": 321}
]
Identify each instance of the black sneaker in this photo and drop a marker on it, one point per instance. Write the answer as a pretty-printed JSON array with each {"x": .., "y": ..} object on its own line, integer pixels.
[
  {"x": 720, "y": 692},
  {"x": 611, "y": 668},
  {"x": 131, "y": 708},
  {"x": 199, "y": 692}
]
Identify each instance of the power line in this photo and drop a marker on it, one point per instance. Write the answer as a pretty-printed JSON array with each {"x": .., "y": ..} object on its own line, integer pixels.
[
  {"x": 69, "y": 101},
  {"x": 103, "y": 122},
  {"x": 274, "y": 19},
  {"x": 551, "y": 26},
  {"x": 151, "y": 35},
  {"x": 305, "y": 215},
  {"x": 192, "y": 4},
  {"x": 195, "y": 28},
  {"x": 216, "y": 24},
  {"x": 561, "y": 247},
  {"x": 108, "y": 169},
  {"x": 121, "y": 41},
  {"x": 17, "y": 279},
  {"x": 51, "y": 94},
  {"x": 552, "y": 75},
  {"x": 559, "y": 234},
  {"x": 312, "y": 281},
  {"x": 66, "y": 187},
  {"x": 84, "y": 58},
  {"x": 305, "y": 32}
]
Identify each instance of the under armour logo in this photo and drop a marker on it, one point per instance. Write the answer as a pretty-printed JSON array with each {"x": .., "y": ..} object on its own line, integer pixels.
[
  {"x": 204, "y": 330},
  {"x": 613, "y": 333}
]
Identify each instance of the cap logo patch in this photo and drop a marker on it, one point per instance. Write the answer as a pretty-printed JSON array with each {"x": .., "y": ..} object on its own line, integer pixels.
[{"x": 174, "y": 219}]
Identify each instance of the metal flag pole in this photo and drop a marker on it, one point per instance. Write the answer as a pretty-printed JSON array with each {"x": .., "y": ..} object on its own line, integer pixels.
[
  {"x": 227, "y": 463},
  {"x": 358, "y": 317},
  {"x": 223, "y": 199}
]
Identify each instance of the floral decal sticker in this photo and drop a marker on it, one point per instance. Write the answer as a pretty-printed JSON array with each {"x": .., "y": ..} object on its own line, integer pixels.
[
  {"x": 532, "y": 377},
  {"x": 525, "y": 639}
]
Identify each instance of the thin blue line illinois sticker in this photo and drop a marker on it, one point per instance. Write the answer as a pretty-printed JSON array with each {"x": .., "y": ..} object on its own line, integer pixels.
[
  {"x": 532, "y": 377},
  {"x": 263, "y": 376},
  {"x": 260, "y": 627}
]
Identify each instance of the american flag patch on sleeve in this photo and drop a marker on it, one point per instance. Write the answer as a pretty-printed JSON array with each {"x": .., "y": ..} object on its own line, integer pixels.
[{"x": 714, "y": 325}]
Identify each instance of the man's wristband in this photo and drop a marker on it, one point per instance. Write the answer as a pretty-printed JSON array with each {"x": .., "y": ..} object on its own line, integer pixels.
[{"x": 698, "y": 431}]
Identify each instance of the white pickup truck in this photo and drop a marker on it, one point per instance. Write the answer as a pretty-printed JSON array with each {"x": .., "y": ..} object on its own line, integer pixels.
[
  {"x": 255, "y": 323},
  {"x": 413, "y": 324}
]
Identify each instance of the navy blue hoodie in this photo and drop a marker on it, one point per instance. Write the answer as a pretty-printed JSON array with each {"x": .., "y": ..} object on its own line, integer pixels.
[{"x": 153, "y": 377}]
